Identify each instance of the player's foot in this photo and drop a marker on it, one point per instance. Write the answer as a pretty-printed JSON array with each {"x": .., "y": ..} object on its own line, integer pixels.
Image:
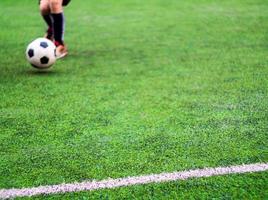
[
  {"x": 49, "y": 34},
  {"x": 61, "y": 51}
]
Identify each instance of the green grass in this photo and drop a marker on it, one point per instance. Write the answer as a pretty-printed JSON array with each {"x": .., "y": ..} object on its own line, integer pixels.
[
  {"x": 149, "y": 86},
  {"x": 231, "y": 187}
]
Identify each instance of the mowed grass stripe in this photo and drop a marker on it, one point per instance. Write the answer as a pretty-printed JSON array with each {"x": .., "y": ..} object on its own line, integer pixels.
[{"x": 114, "y": 183}]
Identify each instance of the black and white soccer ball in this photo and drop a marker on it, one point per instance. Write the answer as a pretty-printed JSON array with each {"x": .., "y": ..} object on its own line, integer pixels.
[{"x": 41, "y": 53}]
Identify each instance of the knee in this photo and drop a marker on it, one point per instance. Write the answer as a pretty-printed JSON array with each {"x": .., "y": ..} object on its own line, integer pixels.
[
  {"x": 44, "y": 9},
  {"x": 55, "y": 6}
]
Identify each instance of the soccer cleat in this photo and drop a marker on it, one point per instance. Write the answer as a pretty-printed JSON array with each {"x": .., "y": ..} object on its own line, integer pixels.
[
  {"x": 61, "y": 51},
  {"x": 49, "y": 34}
]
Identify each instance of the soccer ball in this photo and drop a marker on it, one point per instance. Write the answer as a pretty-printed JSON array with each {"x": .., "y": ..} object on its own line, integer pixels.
[{"x": 41, "y": 53}]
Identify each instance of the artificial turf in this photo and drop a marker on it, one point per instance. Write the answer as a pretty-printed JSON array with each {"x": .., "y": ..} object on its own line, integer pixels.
[
  {"x": 149, "y": 86},
  {"x": 249, "y": 186}
]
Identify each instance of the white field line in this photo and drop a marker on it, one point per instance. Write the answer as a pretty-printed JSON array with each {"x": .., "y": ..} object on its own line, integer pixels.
[{"x": 128, "y": 181}]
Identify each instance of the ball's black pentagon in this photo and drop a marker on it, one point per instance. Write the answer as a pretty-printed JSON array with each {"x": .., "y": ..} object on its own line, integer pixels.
[
  {"x": 44, "y": 60},
  {"x": 44, "y": 44},
  {"x": 31, "y": 53}
]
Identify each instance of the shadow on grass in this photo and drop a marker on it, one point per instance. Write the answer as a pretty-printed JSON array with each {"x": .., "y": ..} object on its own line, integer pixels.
[{"x": 49, "y": 72}]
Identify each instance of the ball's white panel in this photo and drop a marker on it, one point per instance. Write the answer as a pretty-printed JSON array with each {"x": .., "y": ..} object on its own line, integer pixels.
[{"x": 41, "y": 48}]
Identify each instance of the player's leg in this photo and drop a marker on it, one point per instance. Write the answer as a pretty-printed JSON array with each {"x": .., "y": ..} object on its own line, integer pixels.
[
  {"x": 56, "y": 10},
  {"x": 45, "y": 12}
]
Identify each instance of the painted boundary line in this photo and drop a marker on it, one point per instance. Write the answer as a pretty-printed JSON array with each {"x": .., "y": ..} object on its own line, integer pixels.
[{"x": 128, "y": 181}]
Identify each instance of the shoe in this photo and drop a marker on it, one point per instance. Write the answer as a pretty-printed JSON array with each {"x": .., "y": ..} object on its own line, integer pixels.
[
  {"x": 61, "y": 51},
  {"x": 49, "y": 34}
]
